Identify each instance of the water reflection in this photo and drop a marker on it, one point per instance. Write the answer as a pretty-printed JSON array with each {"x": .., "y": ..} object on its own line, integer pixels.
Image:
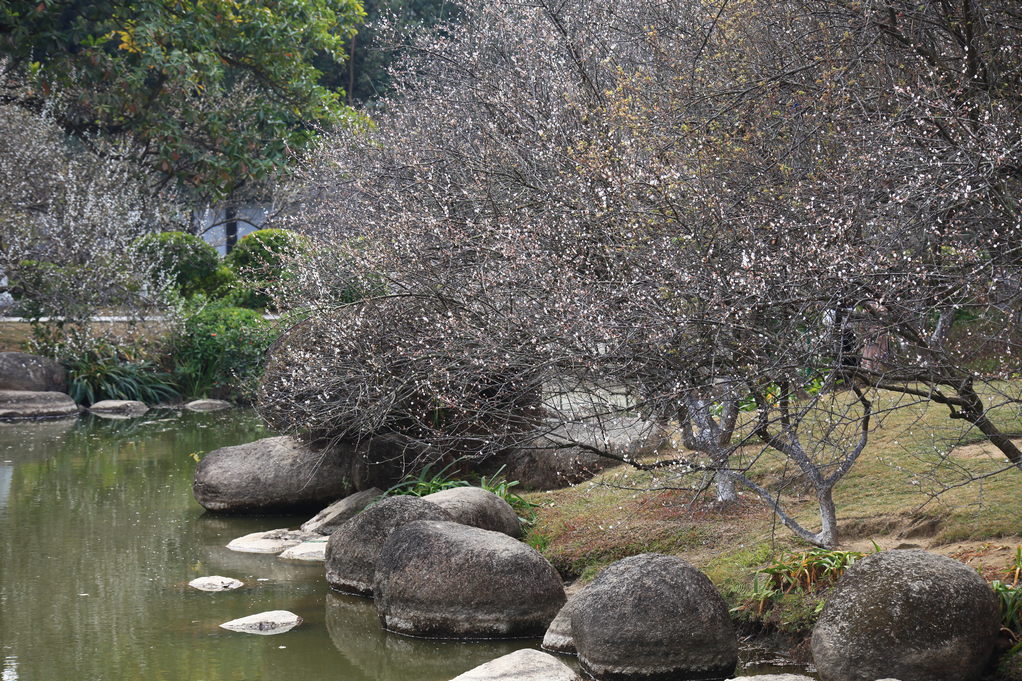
[
  {"x": 99, "y": 536},
  {"x": 355, "y": 630}
]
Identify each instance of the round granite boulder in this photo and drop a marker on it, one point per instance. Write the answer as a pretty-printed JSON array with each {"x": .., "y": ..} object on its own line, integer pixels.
[
  {"x": 354, "y": 547},
  {"x": 910, "y": 615},
  {"x": 478, "y": 507},
  {"x": 22, "y": 371},
  {"x": 653, "y": 617},
  {"x": 272, "y": 474},
  {"x": 446, "y": 580}
]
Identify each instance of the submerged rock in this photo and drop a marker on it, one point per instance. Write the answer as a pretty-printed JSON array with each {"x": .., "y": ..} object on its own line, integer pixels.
[
  {"x": 523, "y": 665},
  {"x": 446, "y": 580},
  {"x": 342, "y": 510},
  {"x": 354, "y": 548},
  {"x": 312, "y": 551},
  {"x": 479, "y": 508},
  {"x": 271, "y": 541},
  {"x": 653, "y": 616},
  {"x": 558, "y": 638},
  {"x": 908, "y": 614},
  {"x": 25, "y": 404},
  {"x": 215, "y": 583},
  {"x": 22, "y": 371},
  {"x": 119, "y": 408},
  {"x": 265, "y": 623},
  {"x": 272, "y": 474},
  {"x": 208, "y": 405}
]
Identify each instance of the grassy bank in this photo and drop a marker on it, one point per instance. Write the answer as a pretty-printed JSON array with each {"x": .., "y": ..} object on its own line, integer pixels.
[{"x": 906, "y": 491}]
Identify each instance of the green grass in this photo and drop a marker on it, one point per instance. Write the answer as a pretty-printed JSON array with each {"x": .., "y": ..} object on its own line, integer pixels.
[{"x": 889, "y": 496}]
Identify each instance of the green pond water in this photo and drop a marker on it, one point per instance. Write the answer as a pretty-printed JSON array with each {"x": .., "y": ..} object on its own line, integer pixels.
[{"x": 99, "y": 535}]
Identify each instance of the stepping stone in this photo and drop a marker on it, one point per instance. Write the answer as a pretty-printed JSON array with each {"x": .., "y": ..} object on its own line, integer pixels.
[
  {"x": 265, "y": 623},
  {"x": 215, "y": 583},
  {"x": 312, "y": 551},
  {"x": 271, "y": 541}
]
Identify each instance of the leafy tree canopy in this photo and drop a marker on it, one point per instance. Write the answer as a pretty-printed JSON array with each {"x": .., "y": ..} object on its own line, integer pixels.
[{"x": 215, "y": 92}]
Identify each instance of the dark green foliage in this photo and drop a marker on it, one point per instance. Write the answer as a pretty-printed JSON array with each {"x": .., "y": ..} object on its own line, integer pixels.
[
  {"x": 106, "y": 375},
  {"x": 217, "y": 93},
  {"x": 220, "y": 352},
  {"x": 430, "y": 480},
  {"x": 191, "y": 264},
  {"x": 1010, "y": 598},
  {"x": 259, "y": 261}
]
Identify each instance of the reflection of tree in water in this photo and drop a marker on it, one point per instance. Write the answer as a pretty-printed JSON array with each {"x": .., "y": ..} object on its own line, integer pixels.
[{"x": 355, "y": 630}]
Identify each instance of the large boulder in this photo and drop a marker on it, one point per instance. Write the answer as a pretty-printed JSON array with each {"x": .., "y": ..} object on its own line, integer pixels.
[
  {"x": 653, "y": 617},
  {"x": 26, "y": 404},
  {"x": 342, "y": 510},
  {"x": 478, "y": 507},
  {"x": 272, "y": 474},
  {"x": 354, "y": 548},
  {"x": 909, "y": 614},
  {"x": 446, "y": 580},
  {"x": 22, "y": 371},
  {"x": 522, "y": 665}
]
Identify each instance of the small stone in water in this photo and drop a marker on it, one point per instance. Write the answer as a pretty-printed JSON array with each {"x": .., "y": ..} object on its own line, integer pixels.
[
  {"x": 265, "y": 623},
  {"x": 215, "y": 583}
]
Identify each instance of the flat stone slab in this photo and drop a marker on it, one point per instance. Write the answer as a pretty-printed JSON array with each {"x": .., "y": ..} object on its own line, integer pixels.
[
  {"x": 271, "y": 541},
  {"x": 265, "y": 623},
  {"x": 215, "y": 583},
  {"x": 208, "y": 405},
  {"x": 27, "y": 404},
  {"x": 121, "y": 408},
  {"x": 522, "y": 665},
  {"x": 312, "y": 551}
]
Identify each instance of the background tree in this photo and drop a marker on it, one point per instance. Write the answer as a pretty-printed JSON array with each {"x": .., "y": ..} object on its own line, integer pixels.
[{"x": 214, "y": 94}]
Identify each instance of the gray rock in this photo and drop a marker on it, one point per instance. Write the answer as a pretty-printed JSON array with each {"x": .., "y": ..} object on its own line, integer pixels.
[
  {"x": 354, "y": 548},
  {"x": 479, "y": 508},
  {"x": 558, "y": 638},
  {"x": 22, "y": 371},
  {"x": 272, "y": 474},
  {"x": 313, "y": 551},
  {"x": 25, "y": 404},
  {"x": 653, "y": 616},
  {"x": 908, "y": 614},
  {"x": 265, "y": 623},
  {"x": 215, "y": 583},
  {"x": 208, "y": 405},
  {"x": 446, "y": 580},
  {"x": 271, "y": 541},
  {"x": 124, "y": 408},
  {"x": 339, "y": 512},
  {"x": 523, "y": 665}
]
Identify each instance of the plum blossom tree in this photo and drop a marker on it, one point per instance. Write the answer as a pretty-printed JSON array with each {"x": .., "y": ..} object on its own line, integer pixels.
[{"x": 740, "y": 219}]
